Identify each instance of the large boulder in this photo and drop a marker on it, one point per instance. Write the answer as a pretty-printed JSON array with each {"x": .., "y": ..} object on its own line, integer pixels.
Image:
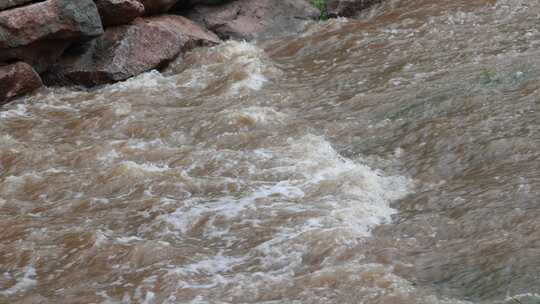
[
  {"x": 49, "y": 20},
  {"x": 117, "y": 12},
  {"x": 157, "y": 6},
  {"x": 40, "y": 55},
  {"x": 248, "y": 19},
  {"x": 128, "y": 50},
  {"x": 17, "y": 79},
  {"x": 182, "y": 5},
  {"x": 39, "y": 33},
  {"x": 206, "y": 2},
  {"x": 347, "y": 8},
  {"x": 5, "y": 4}
]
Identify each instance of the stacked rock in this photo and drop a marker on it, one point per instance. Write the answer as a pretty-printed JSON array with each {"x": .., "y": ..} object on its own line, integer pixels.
[{"x": 95, "y": 42}]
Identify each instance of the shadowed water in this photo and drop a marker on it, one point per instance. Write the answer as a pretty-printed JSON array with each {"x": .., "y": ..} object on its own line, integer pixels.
[{"x": 393, "y": 158}]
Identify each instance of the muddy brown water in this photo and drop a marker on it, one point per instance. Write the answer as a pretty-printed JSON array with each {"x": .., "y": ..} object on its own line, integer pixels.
[{"x": 393, "y": 158}]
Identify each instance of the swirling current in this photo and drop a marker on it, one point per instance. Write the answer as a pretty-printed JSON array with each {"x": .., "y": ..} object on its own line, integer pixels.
[{"x": 389, "y": 158}]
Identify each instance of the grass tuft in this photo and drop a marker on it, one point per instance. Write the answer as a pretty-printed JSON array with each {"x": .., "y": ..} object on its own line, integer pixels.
[{"x": 321, "y": 5}]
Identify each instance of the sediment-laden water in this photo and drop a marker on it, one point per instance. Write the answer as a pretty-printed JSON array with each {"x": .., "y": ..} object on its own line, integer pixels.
[{"x": 390, "y": 159}]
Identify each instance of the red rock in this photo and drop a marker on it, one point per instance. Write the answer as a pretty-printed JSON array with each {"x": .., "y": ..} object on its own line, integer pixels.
[
  {"x": 185, "y": 4},
  {"x": 206, "y": 2},
  {"x": 40, "y": 55},
  {"x": 157, "y": 6},
  {"x": 53, "y": 19},
  {"x": 117, "y": 12},
  {"x": 17, "y": 79},
  {"x": 5, "y": 4},
  {"x": 248, "y": 19},
  {"x": 128, "y": 50},
  {"x": 347, "y": 8}
]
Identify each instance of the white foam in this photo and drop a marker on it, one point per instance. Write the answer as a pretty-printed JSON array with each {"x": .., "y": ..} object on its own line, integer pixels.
[
  {"x": 246, "y": 60},
  {"x": 21, "y": 110},
  {"x": 150, "y": 298},
  {"x": 359, "y": 195},
  {"x": 345, "y": 200},
  {"x": 26, "y": 282},
  {"x": 13, "y": 183},
  {"x": 7, "y": 140},
  {"x": 183, "y": 219},
  {"x": 128, "y": 239},
  {"x": 260, "y": 115},
  {"x": 145, "y": 167},
  {"x": 521, "y": 296},
  {"x": 252, "y": 61},
  {"x": 152, "y": 80},
  {"x": 101, "y": 238},
  {"x": 109, "y": 156},
  {"x": 254, "y": 81},
  {"x": 232, "y": 49},
  {"x": 283, "y": 189},
  {"x": 108, "y": 299},
  {"x": 227, "y": 123},
  {"x": 122, "y": 108},
  {"x": 144, "y": 145},
  {"x": 218, "y": 263}
]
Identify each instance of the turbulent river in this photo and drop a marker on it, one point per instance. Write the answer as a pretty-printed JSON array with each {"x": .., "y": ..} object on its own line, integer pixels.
[{"x": 388, "y": 159}]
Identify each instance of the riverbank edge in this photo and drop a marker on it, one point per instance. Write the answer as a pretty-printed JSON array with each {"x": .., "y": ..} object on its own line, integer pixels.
[{"x": 96, "y": 42}]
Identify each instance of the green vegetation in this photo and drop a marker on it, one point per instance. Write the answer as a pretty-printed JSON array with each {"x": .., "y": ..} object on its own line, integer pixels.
[
  {"x": 517, "y": 76},
  {"x": 490, "y": 77},
  {"x": 321, "y": 5}
]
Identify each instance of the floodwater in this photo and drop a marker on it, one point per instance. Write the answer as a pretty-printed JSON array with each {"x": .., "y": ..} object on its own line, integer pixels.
[{"x": 389, "y": 159}]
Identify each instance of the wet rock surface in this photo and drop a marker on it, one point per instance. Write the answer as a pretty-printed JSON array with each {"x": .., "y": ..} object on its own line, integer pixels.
[
  {"x": 40, "y": 55},
  {"x": 118, "y": 12},
  {"x": 5, "y": 4},
  {"x": 247, "y": 19},
  {"x": 49, "y": 20},
  {"x": 17, "y": 79},
  {"x": 128, "y": 50},
  {"x": 157, "y": 6}
]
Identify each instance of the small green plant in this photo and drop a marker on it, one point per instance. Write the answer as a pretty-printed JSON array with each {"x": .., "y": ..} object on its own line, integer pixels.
[
  {"x": 490, "y": 77},
  {"x": 321, "y": 5}
]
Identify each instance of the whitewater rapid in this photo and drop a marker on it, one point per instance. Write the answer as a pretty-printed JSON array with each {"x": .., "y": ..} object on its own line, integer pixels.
[{"x": 390, "y": 159}]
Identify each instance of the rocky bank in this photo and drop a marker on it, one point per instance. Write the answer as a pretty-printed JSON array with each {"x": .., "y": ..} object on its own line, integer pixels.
[{"x": 94, "y": 42}]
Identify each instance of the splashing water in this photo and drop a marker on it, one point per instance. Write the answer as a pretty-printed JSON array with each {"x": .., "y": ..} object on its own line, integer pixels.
[{"x": 391, "y": 158}]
